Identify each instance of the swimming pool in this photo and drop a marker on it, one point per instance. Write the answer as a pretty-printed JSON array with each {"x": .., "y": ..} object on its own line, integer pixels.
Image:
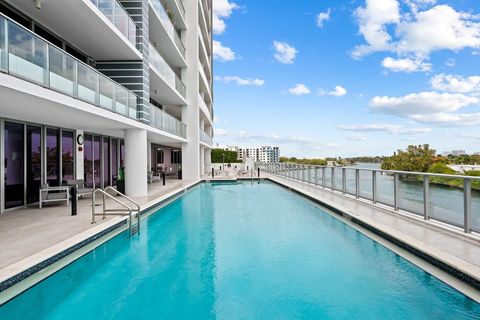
[{"x": 250, "y": 250}]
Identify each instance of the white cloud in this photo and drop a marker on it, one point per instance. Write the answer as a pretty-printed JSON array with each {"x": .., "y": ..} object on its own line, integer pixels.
[
  {"x": 356, "y": 137},
  {"x": 241, "y": 81},
  {"x": 258, "y": 139},
  {"x": 438, "y": 28},
  {"x": 455, "y": 83},
  {"x": 284, "y": 53},
  {"x": 416, "y": 5},
  {"x": 373, "y": 20},
  {"x": 339, "y": 91},
  {"x": 299, "y": 89},
  {"x": 222, "y": 53},
  {"x": 406, "y": 65},
  {"x": 222, "y": 9},
  {"x": 429, "y": 107},
  {"x": 450, "y": 63},
  {"x": 323, "y": 17},
  {"x": 385, "y": 127},
  {"x": 422, "y": 103},
  {"x": 413, "y": 36}
]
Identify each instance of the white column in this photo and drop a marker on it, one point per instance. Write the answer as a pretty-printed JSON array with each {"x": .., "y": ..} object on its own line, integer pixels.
[
  {"x": 207, "y": 160},
  {"x": 202, "y": 161},
  {"x": 136, "y": 163},
  {"x": 191, "y": 112},
  {"x": 79, "y": 168}
]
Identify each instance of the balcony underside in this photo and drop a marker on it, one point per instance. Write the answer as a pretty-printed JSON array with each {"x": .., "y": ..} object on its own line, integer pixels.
[
  {"x": 83, "y": 25},
  {"x": 162, "y": 92},
  {"x": 26, "y": 101}
]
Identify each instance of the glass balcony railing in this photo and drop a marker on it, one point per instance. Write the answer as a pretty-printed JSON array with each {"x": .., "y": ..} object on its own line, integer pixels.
[
  {"x": 204, "y": 137},
  {"x": 168, "y": 25},
  {"x": 181, "y": 6},
  {"x": 166, "y": 71},
  {"x": 163, "y": 121},
  {"x": 115, "y": 12},
  {"x": 25, "y": 55}
]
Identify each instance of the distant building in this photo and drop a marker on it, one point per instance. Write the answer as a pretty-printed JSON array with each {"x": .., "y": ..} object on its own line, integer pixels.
[
  {"x": 265, "y": 154},
  {"x": 455, "y": 153}
]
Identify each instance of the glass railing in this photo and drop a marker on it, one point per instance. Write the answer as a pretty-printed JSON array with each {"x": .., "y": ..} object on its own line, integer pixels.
[
  {"x": 27, "y": 56},
  {"x": 163, "y": 121},
  {"x": 204, "y": 137},
  {"x": 168, "y": 25},
  {"x": 181, "y": 6},
  {"x": 115, "y": 12},
  {"x": 166, "y": 71},
  {"x": 448, "y": 198}
]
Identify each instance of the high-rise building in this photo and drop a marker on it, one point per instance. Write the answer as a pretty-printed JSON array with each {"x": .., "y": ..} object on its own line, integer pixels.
[
  {"x": 265, "y": 154},
  {"x": 89, "y": 86}
]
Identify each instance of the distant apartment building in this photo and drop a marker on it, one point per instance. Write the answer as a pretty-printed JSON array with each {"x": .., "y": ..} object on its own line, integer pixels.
[
  {"x": 265, "y": 154},
  {"x": 454, "y": 153}
]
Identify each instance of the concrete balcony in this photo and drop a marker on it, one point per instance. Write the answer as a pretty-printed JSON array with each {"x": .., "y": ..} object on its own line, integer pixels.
[
  {"x": 205, "y": 139},
  {"x": 205, "y": 110},
  {"x": 165, "y": 36},
  {"x": 101, "y": 29},
  {"x": 25, "y": 55},
  {"x": 165, "y": 86},
  {"x": 166, "y": 122}
]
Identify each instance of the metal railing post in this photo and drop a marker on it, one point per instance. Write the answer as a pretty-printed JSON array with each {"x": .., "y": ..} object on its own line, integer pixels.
[
  {"x": 467, "y": 205},
  {"x": 333, "y": 179},
  {"x": 374, "y": 186},
  {"x": 323, "y": 177},
  {"x": 303, "y": 173},
  {"x": 316, "y": 176},
  {"x": 344, "y": 180},
  {"x": 426, "y": 197},
  {"x": 357, "y": 183},
  {"x": 396, "y": 195},
  {"x": 309, "y": 174}
]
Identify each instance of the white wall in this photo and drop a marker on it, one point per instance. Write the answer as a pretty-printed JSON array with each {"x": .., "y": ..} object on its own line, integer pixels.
[
  {"x": 136, "y": 162},
  {"x": 79, "y": 173}
]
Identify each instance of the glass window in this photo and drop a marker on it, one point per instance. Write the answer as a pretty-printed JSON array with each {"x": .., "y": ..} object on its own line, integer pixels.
[
  {"x": 122, "y": 153},
  {"x": 114, "y": 161},
  {"x": 88, "y": 161},
  {"x": 14, "y": 164},
  {"x": 68, "y": 151},
  {"x": 106, "y": 161},
  {"x": 97, "y": 173},
  {"x": 53, "y": 159},
  {"x": 34, "y": 162}
]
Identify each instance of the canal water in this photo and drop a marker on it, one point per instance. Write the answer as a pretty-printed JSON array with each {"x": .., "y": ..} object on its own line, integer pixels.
[{"x": 446, "y": 203}]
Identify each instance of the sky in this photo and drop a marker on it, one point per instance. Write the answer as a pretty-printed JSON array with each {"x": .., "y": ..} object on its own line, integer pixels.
[{"x": 323, "y": 78}]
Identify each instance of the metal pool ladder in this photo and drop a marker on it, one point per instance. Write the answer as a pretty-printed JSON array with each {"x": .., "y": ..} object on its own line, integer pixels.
[{"x": 125, "y": 211}]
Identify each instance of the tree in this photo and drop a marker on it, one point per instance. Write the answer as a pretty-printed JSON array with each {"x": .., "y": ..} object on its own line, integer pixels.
[
  {"x": 416, "y": 158},
  {"x": 219, "y": 155}
]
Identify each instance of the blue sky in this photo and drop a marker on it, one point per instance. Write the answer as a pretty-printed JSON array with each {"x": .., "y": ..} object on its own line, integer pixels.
[{"x": 347, "y": 78}]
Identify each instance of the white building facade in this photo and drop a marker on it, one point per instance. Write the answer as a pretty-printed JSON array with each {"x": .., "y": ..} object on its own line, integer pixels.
[
  {"x": 264, "y": 154},
  {"x": 91, "y": 86}
]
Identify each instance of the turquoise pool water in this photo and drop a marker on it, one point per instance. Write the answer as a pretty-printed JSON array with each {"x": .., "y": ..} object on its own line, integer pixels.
[{"x": 241, "y": 251}]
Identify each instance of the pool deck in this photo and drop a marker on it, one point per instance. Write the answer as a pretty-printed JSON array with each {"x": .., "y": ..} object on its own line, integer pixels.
[
  {"x": 445, "y": 244},
  {"x": 31, "y": 235}
]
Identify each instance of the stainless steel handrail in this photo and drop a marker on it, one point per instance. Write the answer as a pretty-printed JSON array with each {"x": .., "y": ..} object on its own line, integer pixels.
[
  {"x": 297, "y": 172},
  {"x": 114, "y": 212},
  {"x": 131, "y": 201}
]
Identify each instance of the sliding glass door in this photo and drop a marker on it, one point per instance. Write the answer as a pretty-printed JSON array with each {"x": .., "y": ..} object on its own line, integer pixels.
[
  {"x": 14, "y": 162},
  {"x": 34, "y": 162}
]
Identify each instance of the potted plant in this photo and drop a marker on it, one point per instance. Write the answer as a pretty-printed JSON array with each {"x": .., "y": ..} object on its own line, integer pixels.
[{"x": 121, "y": 180}]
